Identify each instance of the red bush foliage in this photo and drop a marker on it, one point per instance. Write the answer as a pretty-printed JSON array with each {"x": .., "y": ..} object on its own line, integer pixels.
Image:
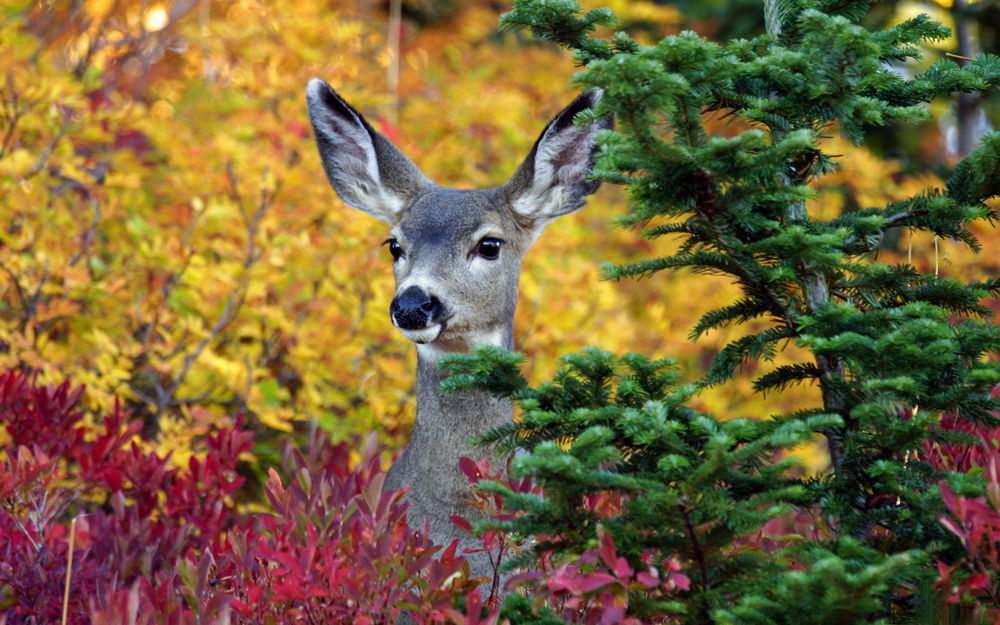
[
  {"x": 158, "y": 544},
  {"x": 592, "y": 588},
  {"x": 973, "y": 582}
]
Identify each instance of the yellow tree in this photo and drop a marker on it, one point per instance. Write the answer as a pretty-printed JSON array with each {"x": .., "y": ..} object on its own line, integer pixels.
[{"x": 169, "y": 238}]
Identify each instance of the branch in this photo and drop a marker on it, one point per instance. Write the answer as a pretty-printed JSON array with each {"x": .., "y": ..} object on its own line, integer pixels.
[
  {"x": 699, "y": 556},
  {"x": 227, "y": 315},
  {"x": 815, "y": 289},
  {"x": 15, "y": 280},
  {"x": 29, "y": 303},
  {"x": 235, "y": 300},
  {"x": 12, "y": 119},
  {"x": 88, "y": 234},
  {"x": 895, "y": 221},
  {"x": 43, "y": 158}
]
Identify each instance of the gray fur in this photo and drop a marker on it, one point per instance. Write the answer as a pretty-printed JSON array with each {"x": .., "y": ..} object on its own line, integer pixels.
[{"x": 439, "y": 230}]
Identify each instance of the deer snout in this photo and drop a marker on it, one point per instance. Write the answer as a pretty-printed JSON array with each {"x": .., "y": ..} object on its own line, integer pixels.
[{"x": 413, "y": 309}]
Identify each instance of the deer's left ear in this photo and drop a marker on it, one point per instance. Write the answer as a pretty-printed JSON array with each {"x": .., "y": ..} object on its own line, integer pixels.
[{"x": 554, "y": 179}]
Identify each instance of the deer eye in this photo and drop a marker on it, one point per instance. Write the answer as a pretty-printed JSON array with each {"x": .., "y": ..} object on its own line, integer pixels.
[
  {"x": 489, "y": 248},
  {"x": 395, "y": 249}
]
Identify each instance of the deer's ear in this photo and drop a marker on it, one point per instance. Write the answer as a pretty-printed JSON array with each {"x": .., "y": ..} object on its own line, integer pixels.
[
  {"x": 554, "y": 179},
  {"x": 366, "y": 170}
]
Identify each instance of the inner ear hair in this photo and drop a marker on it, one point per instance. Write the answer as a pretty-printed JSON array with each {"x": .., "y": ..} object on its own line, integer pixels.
[
  {"x": 365, "y": 169},
  {"x": 555, "y": 177}
]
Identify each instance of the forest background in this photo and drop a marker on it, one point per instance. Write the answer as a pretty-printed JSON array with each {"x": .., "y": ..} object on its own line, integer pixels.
[{"x": 169, "y": 239}]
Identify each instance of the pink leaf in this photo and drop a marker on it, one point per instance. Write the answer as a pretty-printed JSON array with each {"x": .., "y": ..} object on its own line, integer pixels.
[
  {"x": 677, "y": 580},
  {"x": 612, "y": 615},
  {"x": 622, "y": 569},
  {"x": 557, "y": 583},
  {"x": 608, "y": 552},
  {"x": 948, "y": 523},
  {"x": 649, "y": 579},
  {"x": 593, "y": 581},
  {"x": 522, "y": 578}
]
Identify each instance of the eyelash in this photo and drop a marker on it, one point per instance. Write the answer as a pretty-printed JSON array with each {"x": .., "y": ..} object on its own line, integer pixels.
[
  {"x": 488, "y": 248},
  {"x": 394, "y": 248}
]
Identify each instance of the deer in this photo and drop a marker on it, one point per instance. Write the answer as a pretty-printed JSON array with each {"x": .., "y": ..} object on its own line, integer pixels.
[{"x": 456, "y": 256}]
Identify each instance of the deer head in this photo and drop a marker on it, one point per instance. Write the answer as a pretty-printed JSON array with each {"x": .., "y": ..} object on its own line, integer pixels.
[{"x": 456, "y": 253}]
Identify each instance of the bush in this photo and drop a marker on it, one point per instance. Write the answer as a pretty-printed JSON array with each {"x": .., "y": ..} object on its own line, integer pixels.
[{"x": 157, "y": 544}]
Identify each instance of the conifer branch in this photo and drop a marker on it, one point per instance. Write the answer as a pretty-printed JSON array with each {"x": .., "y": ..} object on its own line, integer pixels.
[{"x": 700, "y": 561}]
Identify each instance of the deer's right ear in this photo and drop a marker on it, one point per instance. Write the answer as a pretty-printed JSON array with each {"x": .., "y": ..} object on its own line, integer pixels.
[{"x": 366, "y": 170}]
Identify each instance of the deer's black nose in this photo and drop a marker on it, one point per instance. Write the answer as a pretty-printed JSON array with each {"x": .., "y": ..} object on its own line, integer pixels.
[{"x": 415, "y": 310}]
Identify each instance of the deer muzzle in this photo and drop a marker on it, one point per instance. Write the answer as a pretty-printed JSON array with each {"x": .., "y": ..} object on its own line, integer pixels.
[{"x": 417, "y": 314}]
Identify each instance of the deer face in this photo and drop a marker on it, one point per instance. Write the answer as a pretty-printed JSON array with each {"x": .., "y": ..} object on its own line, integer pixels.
[
  {"x": 456, "y": 257},
  {"x": 456, "y": 254}
]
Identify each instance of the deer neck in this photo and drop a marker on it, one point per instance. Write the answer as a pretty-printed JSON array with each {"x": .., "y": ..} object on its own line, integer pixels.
[
  {"x": 445, "y": 425},
  {"x": 446, "y": 422}
]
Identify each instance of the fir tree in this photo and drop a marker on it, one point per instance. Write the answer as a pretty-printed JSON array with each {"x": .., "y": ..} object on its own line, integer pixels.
[{"x": 891, "y": 348}]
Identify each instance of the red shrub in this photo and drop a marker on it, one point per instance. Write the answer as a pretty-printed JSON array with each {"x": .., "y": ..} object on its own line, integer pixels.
[
  {"x": 158, "y": 544},
  {"x": 975, "y": 580},
  {"x": 594, "y": 587}
]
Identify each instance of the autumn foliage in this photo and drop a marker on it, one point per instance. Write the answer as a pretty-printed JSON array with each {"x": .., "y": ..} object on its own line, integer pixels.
[
  {"x": 157, "y": 544},
  {"x": 188, "y": 316},
  {"x": 170, "y": 239},
  {"x": 151, "y": 543}
]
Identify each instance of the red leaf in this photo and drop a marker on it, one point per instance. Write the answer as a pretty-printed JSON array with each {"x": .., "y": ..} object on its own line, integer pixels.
[
  {"x": 449, "y": 553},
  {"x": 461, "y": 523},
  {"x": 979, "y": 581},
  {"x": 390, "y": 130},
  {"x": 470, "y": 469}
]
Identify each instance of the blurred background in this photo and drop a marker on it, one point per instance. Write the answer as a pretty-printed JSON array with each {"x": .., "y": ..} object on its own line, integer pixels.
[{"x": 168, "y": 238}]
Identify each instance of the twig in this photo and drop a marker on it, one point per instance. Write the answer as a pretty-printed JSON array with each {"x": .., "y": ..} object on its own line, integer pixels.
[
  {"x": 166, "y": 291},
  {"x": 69, "y": 570},
  {"x": 43, "y": 158},
  {"x": 936, "y": 258},
  {"x": 88, "y": 234},
  {"x": 15, "y": 280},
  {"x": 897, "y": 220},
  {"x": 32, "y": 304},
  {"x": 699, "y": 556},
  {"x": 395, "y": 23},
  {"x": 234, "y": 302},
  {"x": 223, "y": 320},
  {"x": 13, "y": 118}
]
